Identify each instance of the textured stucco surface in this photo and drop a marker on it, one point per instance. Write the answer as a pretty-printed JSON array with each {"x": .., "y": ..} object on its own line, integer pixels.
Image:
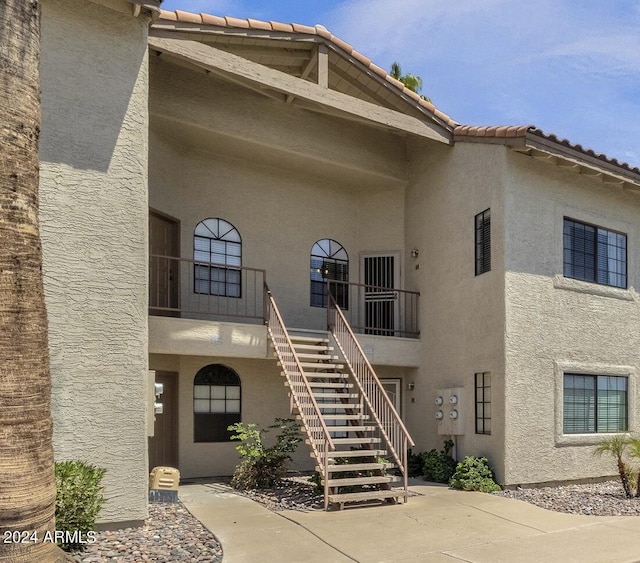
[
  {"x": 93, "y": 154},
  {"x": 462, "y": 315},
  {"x": 556, "y": 325}
]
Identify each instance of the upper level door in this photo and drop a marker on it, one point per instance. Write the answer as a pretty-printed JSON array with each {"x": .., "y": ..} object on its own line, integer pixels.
[
  {"x": 163, "y": 271},
  {"x": 381, "y": 275}
]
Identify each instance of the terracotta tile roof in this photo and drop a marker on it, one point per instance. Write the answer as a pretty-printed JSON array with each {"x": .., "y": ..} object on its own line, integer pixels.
[
  {"x": 318, "y": 30},
  {"x": 527, "y": 131}
]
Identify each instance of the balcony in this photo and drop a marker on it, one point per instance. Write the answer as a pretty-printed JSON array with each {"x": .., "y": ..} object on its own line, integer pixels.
[{"x": 184, "y": 288}]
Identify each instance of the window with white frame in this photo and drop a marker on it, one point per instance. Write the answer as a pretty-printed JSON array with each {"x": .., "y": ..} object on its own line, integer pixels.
[
  {"x": 217, "y": 256},
  {"x": 216, "y": 403},
  {"x": 595, "y": 403},
  {"x": 594, "y": 254}
]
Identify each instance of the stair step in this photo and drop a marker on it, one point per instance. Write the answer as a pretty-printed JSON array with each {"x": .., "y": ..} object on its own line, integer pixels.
[
  {"x": 367, "y": 495},
  {"x": 318, "y": 375},
  {"x": 346, "y": 416},
  {"x": 334, "y": 467},
  {"x": 319, "y": 357},
  {"x": 351, "y": 428},
  {"x": 317, "y": 365},
  {"x": 351, "y": 441},
  {"x": 308, "y": 339},
  {"x": 375, "y": 480},
  {"x": 324, "y": 385},
  {"x": 314, "y": 347},
  {"x": 355, "y": 453},
  {"x": 336, "y": 395}
]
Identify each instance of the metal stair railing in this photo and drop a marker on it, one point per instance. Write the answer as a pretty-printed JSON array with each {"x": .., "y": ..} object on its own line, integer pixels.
[
  {"x": 301, "y": 395},
  {"x": 381, "y": 409}
]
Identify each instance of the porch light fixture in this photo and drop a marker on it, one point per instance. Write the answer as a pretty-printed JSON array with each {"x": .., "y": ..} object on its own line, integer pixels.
[{"x": 415, "y": 253}]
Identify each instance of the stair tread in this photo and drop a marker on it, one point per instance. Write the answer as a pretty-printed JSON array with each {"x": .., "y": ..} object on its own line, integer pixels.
[
  {"x": 330, "y": 375},
  {"x": 356, "y": 453},
  {"x": 315, "y": 347},
  {"x": 351, "y": 428},
  {"x": 319, "y": 357},
  {"x": 325, "y": 385},
  {"x": 374, "y": 480},
  {"x": 333, "y": 467},
  {"x": 317, "y": 365},
  {"x": 352, "y": 497},
  {"x": 308, "y": 339},
  {"x": 347, "y": 441},
  {"x": 336, "y": 395},
  {"x": 346, "y": 416}
]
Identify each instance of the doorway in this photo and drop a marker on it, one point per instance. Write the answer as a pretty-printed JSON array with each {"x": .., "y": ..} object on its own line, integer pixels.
[
  {"x": 163, "y": 445},
  {"x": 381, "y": 275},
  {"x": 164, "y": 242}
]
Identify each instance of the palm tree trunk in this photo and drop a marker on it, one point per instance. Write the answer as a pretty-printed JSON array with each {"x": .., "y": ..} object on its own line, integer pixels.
[{"x": 27, "y": 483}]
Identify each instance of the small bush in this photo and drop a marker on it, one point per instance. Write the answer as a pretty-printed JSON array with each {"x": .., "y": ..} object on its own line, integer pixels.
[
  {"x": 439, "y": 466},
  {"x": 263, "y": 467},
  {"x": 474, "y": 474},
  {"x": 415, "y": 462},
  {"x": 79, "y": 499}
]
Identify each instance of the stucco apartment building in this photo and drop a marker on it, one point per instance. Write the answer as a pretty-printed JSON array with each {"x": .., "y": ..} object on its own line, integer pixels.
[{"x": 189, "y": 161}]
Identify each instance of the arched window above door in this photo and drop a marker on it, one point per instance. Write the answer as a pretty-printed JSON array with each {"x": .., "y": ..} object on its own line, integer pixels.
[{"x": 329, "y": 263}]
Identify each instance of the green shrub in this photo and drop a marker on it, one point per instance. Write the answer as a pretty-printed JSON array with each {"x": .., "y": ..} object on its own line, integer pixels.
[
  {"x": 474, "y": 474},
  {"x": 79, "y": 500},
  {"x": 439, "y": 466},
  {"x": 415, "y": 462},
  {"x": 262, "y": 467}
]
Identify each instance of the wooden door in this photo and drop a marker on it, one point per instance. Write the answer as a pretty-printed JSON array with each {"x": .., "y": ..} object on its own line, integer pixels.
[
  {"x": 163, "y": 445},
  {"x": 163, "y": 272}
]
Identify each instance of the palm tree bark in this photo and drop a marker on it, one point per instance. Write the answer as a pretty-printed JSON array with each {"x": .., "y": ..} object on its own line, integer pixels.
[{"x": 27, "y": 483}]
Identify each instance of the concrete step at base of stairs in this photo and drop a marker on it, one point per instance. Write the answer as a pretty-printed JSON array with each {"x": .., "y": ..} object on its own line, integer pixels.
[{"x": 341, "y": 498}]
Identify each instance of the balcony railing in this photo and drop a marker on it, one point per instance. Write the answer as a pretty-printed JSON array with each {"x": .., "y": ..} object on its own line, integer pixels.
[
  {"x": 182, "y": 287},
  {"x": 372, "y": 309}
]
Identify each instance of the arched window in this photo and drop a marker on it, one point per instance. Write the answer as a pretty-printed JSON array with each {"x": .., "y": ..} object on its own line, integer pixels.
[
  {"x": 217, "y": 253},
  {"x": 216, "y": 403},
  {"x": 329, "y": 262}
]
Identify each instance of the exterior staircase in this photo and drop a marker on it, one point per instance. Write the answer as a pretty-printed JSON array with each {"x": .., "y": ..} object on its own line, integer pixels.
[{"x": 351, "y": 440}]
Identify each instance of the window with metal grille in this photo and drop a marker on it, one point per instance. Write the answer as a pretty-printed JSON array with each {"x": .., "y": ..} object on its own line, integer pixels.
[
  {"x": 483, "y": 402},
  {"x": 329, "y": 271},
  {"x": 217, "y": 255},
  {"x": 216, "y": 403},
  {"x": 483, "y": 242},
  {"x": 594, "y": 403},
  {"x": 594, "y": 254}
]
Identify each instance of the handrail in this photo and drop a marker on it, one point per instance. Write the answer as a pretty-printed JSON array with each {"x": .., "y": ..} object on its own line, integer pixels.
[
  {"x": 373, "y": 394},
  {"x": 312, "y": 420}
]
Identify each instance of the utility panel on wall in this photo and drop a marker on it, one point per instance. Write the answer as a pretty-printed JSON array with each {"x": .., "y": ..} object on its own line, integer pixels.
[{"x": 449, "y": 411}]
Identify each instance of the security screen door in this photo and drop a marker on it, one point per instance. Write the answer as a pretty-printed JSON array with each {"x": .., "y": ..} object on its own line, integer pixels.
[{"x": 381, "y": 275}]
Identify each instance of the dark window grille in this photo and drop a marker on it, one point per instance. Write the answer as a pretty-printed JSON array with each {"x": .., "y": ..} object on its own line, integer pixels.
[
  {"x": 217, "y": 253},
  {"x": 595, "y": 403},
  {"x": 216, "y": 403},
  {"x": 483, "y": 402},
  {"x": 329, "y": 263},
  {"x": 483, "y": 242},
  {"x": 594, "y": 254}
]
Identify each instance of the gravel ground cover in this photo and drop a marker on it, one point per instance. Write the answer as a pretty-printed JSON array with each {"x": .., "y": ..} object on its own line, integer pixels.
[{"x": 172, "y": 534}]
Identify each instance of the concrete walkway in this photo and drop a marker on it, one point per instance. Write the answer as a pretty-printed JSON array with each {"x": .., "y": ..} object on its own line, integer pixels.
[{"x": 437, "y": 524}]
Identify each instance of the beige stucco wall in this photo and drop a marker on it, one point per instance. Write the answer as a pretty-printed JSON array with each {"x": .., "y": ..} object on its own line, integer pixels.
[
  {"x": 284, "y": 177},
  {"x": 555, "y": 324},
  {"x": 462, "y": 315},
  {"x": 94, "y": 229}
]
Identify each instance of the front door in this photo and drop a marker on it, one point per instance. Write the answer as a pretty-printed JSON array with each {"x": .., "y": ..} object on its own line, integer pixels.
[
  {"x": 381, "y": 274},
  {"x": 163, "y": 272},
  {"x": 163, "y": 445}
]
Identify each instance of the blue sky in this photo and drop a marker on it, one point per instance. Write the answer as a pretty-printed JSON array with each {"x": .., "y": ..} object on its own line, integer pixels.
[{"x": 570, "y": 67}]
